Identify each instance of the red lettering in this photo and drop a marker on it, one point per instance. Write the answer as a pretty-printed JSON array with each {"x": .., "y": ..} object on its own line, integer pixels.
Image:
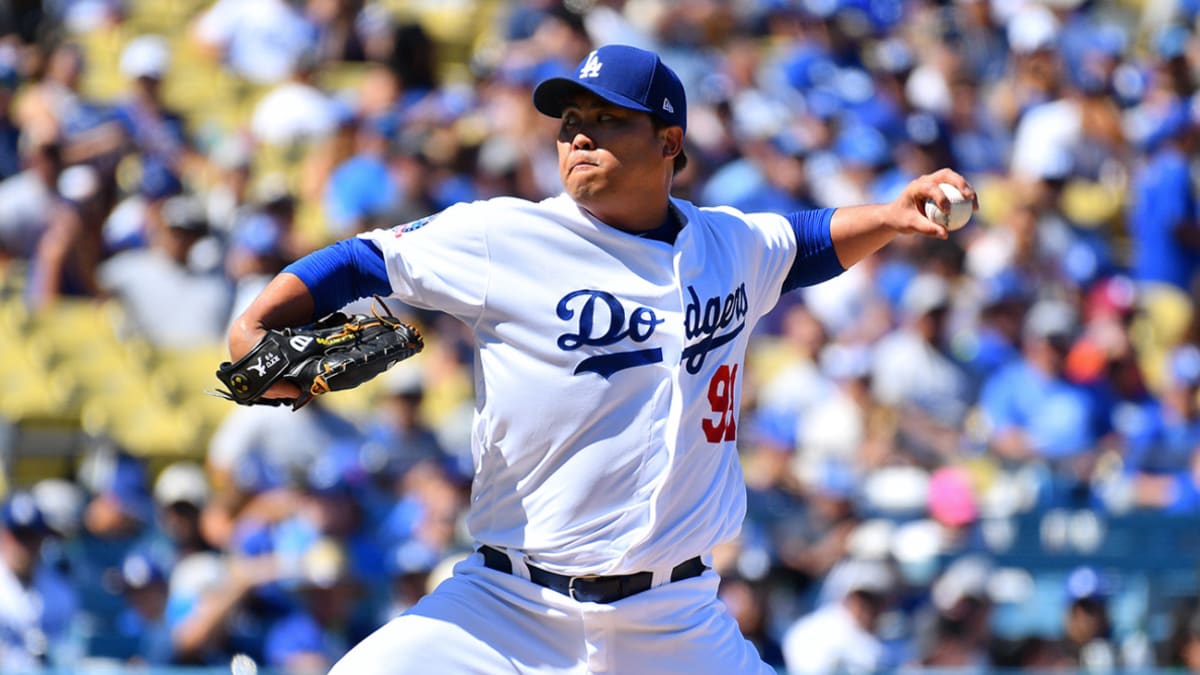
[{"x": 720, "y": 396}]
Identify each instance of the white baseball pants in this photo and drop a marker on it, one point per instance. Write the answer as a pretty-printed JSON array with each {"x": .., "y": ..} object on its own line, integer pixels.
[{"x": 481, "y": 621}]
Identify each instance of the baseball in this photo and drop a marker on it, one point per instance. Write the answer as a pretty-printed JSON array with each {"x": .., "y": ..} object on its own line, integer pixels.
[
  {"x": 960, "y": 209},
  {"x": 243, "y": 665}
]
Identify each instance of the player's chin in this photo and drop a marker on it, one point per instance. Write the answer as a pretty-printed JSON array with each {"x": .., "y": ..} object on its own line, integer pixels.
[{"x": 583, "y": 188}]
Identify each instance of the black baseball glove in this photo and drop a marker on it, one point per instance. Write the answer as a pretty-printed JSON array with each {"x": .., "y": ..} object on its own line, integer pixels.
[{"x": 336, "y": 353}]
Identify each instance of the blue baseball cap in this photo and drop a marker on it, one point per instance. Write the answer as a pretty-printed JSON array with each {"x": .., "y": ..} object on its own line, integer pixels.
[
  {"x": 140, "y": 570},
  {"x": 626, "y": 76},
  {"x": 20, "y": 513}
]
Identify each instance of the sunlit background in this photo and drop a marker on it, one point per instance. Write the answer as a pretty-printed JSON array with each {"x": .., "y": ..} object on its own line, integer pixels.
[{"x": 971, "y": 455}]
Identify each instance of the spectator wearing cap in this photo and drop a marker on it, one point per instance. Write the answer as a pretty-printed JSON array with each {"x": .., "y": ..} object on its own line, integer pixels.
[
  {"x": 181, "y": 493},
  {"x": 117, "y": 519},
  {"x": 71, "y": 250},
  {"x": 61, "y": 502},
  {"x": 1087, "y": 638},
  {"x": 954, "y": 630},
  {"x": 919, "y": 148},
  {"x": 256, "y": 254},
  {"x": 810, "y": 539},
  {"x": 142, "y": 625},
  {"x": 120, "y": 507},
  {"x": 322, "y": 627},
  {"x": 363, "y": 189},
  {"x": 1172, "y": 68},
  {"x": 840, "y": 636},
  {"x": 153, "y": 130},
  {"x": 1034, "y": 73},
  {"x": 131, "y": 221},
  {"x": 410, "y": 565},
  {"x": 978, "y": 143},
  {"x": 398, "y": 427},
  {"x": 170, "y": 304},
  {"x": 913, "y": 373},
  {"x": 862, "y": 155},
  {"x": 1077, "y": 125},
  {"x": 1032, "y": 411},
  {"x": 227, "y": 196},
  {"x": 424, "y": 515},
  {"x": 1165, "y": 458},
  {"x": 993, "y": 338},
  {"x": 1179, "y": 436},
  {"x": 833, "y": 429},
  {"x": 38, "y": 606}
]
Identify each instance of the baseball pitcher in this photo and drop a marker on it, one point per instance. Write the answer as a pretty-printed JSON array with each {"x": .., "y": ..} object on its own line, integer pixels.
[{"x": 610, "y": 327}]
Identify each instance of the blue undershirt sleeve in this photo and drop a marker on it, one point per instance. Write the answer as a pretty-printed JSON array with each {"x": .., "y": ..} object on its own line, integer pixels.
[
  {"x": 342, "y": 273},
  {"x": 816, "y": 260}
]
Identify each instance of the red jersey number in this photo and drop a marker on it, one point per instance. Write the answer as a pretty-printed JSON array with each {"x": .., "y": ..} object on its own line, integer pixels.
[{"x": 722, "y": 427}]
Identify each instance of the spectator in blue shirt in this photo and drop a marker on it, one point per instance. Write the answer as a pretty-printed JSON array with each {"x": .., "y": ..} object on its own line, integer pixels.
[
  {"x": 37, "y": 604},
  {"x": 10, "y": 133},
  {"x": 1163, "y": 210},
  {"x": 321, "y": 627},
  {"x": 1169, "y": 435},
  {"x": 397, "y": 426},
  {"x": 118, "y": 519},
  {"x": 1032, "y": 411},
  {"x": 362, "y": 189},
  {"x": 158, "y": 133},
  {"x": 143, "y": 623}
]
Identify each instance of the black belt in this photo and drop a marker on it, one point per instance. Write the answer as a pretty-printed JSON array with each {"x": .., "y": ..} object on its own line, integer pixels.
[{"x": 590, "y": 588}]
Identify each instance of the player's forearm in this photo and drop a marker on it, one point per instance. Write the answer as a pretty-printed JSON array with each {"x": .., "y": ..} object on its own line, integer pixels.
[
  {"x": 859, "y": 231},
  {"x": 285, "y": 302}
]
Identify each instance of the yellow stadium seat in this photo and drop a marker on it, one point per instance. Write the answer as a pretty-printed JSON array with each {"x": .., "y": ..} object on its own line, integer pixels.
[
  {"x": 73, "y": 325},
  {"x": 33, "y": 396}
]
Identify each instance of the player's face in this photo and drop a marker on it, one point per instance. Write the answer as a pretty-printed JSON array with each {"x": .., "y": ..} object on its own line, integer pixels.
[{"x": 610, "y": 157}]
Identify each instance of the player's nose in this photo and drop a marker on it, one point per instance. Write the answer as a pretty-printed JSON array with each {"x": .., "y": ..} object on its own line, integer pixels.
[{"x": 582, "y": 141}]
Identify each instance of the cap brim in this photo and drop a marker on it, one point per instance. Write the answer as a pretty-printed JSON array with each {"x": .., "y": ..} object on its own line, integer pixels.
[{"x": 550, "y": 96}]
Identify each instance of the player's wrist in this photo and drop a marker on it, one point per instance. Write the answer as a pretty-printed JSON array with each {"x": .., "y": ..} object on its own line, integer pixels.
[{"x": 243, "y": 336}]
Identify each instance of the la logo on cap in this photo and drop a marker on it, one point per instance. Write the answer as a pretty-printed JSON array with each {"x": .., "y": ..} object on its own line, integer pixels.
[{"x": 591, "y": 67}]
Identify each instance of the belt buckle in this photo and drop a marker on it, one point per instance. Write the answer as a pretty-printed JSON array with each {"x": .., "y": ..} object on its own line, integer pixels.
[{"x": 571, "y": 586}]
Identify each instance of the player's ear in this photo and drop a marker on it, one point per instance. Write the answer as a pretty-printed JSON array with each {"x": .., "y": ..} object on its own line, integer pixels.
[{"x": 672, "y": 141}]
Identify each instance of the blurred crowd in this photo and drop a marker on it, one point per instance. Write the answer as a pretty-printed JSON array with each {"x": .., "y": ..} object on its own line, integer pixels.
[{"x": 896, "y": 422}]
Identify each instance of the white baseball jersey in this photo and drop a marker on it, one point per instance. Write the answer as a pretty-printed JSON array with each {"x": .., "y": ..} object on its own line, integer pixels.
[{"x": 608, "y": 371}]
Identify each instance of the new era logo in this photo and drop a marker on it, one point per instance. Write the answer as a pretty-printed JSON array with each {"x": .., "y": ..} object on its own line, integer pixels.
[
  {"x": 667, "y": 105},
  {"x": 591, "y": 67}
]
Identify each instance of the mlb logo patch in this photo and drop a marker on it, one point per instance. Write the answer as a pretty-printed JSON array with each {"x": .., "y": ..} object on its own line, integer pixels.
[{"x": 399, "y": 230}]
